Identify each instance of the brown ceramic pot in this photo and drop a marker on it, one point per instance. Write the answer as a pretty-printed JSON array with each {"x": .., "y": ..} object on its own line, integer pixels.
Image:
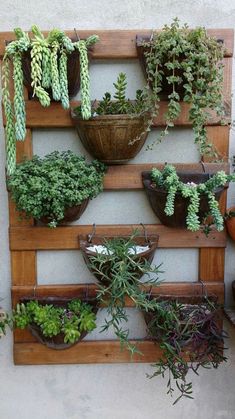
[
  {"x": 85, "y": 242},
  {"x": 73, "y": 72},
  {"x": 108, "y": 137},
  {"x": 230, "y": 223},
  {"x": 71, "y": 214},
  {"x": 56, "y": 342},
  {"x": 158, "y": 197}
]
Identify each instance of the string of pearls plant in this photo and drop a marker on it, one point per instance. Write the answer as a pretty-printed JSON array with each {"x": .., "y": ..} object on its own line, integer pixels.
[{"x": 49, "y": 56}]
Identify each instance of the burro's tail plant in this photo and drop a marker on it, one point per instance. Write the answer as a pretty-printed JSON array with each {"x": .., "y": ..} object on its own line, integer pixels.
[
  {"x": 169, "y": 181},
  {"x": 187, "y": 64},
  {"x": 49, "y": 57}
]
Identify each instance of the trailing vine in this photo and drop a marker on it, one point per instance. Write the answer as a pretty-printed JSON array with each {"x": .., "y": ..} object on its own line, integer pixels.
[
  {"x": 48, "y": 73},
  {"x": 189, "y": 64},
  {"x": 168, "y": 180}
]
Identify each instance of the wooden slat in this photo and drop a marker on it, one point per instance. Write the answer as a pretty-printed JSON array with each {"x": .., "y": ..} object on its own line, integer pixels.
[
  {"x": 129, "y": 176},
  {"x": 219, "y": 136},
  {"x": 89, "y": 352},
  {"x": 57, "y": 117},
  {"x": 23, "y": 267},
  {"x": 211, "y": 264},
  {"x": 44, "y": 238},
  {"x": 121, "y": 44}
]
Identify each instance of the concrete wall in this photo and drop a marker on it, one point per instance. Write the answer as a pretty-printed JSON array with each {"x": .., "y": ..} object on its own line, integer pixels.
[{"x": 110, "y": 391}]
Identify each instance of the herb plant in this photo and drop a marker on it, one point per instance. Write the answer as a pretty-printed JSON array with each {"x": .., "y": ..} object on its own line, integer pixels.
[
  {"x": 71, "y": 321},
  {"x": 120, "y": 105},
  {"x": 191, "y": 61},
  {"x": 46, "y": 187},
  {"x": 190, "y": 337},
  {"x": 120, "y": 273},
  {"x": 48, "y": 71},
  {"x": 168, "y": 180}
]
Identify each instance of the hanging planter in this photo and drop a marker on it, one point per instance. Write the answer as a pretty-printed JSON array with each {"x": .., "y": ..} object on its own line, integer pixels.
[
  {"x": 188, "y": 329},
  {"x": 58, "y": 323},
  {"x": 142, "y": 248},
  {"x": 51, "y": 68},
  {"x": 117, "y": 130},
  {"x": 55, "y": 189},
  {"x": 182, "y": 199},
  {"x": 119, "y": 263},
  {"x": 184, "y": 65},
  {"x": 230, "y": 222}
]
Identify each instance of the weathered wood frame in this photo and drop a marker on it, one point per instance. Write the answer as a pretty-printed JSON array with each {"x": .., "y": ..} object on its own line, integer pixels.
[{"x": 26, "y": 239}]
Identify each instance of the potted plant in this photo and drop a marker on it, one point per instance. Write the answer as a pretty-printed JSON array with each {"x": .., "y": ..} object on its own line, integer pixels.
[
  {"x": 230, "y": 222},
  {"x": 190, "y": 336},
  {"x": 110, "y": 134},
  {"x": 184, "y": 65},
  {"x": 57, "y": 188},
  {"x": 58, "y": 323},
  {"x": 183, "y": 199},
  {"x": 119, "y": 264},
  {"x": 51, "y": 68}
]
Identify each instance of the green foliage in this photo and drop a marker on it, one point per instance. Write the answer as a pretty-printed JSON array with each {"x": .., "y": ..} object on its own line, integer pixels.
[
  {"x": 119, "y": 272},
  {"x": 45, "y": 187},
  {"x": 48, "y": 71},
  {"x": 186, "y": 330},
  {"x": 70, "y": 320},
  {"x": 168, "y": 180},
  {"x": 190, "y": 60},
  {"x": 121, "y": 105}
]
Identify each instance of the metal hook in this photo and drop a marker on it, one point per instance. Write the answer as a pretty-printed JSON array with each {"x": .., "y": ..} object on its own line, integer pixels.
[
  {"x": 145, "y": 232},
  {"x": 90, "y": 236},
  {"x": 34, "y": 291},
  {"x": 78, "y": 37},
  {"x": 151, "y": 37},
  {"x": 86, "y": 292},
  {"x": 204, "y": 289},
  {"x": 203, "y": 166}
]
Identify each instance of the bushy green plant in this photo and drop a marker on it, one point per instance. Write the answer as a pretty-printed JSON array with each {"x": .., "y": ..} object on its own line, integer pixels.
[
  {"x": 71, "y": 320},
  {"x": 190, "y": 337},
  {"x": 120, "y": 105},
  {"x": 168, "y": 180},
  {"x": 120, "y": 275},
  {"x": 191, "y": 60},
  {"x": 46, "y": 187},
  {"x": 48, "y": 71}
]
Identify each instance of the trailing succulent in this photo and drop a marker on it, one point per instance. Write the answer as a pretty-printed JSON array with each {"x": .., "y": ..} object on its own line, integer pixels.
[
  {"x": 190, "y": 337},
  {"x": 48, "y": 71},
  {"x": 120, "y": 105},
  {"x": 46, "y": 187},
  {"x": 120, "y": 271},
  {"x": 73, "y": 319},
  {"x": 189, "y": 61},
  {"x": 168, "y": 180}
]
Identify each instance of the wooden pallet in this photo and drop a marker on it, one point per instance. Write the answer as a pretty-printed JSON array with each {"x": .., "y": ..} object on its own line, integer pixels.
[{"x": 26, "y": 238}]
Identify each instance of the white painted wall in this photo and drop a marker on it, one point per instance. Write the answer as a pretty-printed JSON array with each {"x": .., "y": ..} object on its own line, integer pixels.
[{"x": 110, "y": 391}]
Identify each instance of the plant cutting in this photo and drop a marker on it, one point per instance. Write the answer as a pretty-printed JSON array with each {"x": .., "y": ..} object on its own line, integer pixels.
[
  {"x": 109, "y": 135},
  {"x": 190, "y": 336},
  {"x": 183, "y": 199},
  {"x": 119, "y": 263},
  {"x": 184, "y": 65},
  {"x": 57, "y": 188},
  {"x": 57, "y": 323},
  {"x": 50, "y": 67}
]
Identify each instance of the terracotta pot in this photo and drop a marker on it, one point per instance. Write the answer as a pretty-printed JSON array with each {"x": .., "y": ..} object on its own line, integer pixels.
[
  {"x": 140, "y": 240},
  {"x": 166, "y": 88},
  {"x": 158, "y": 197},
  {"x": 56, "y": 342},
  {"x": 71, "y": 214},
  {"x": 73, "y": 71},
  {"x": 107, "y": 137},
  {"x": 230, "y": 223}
]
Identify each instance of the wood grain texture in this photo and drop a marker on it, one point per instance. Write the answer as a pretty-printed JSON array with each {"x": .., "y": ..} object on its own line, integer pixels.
[
  {"x": 211, "y": 264},
  {"x": 57, "y": 117},
  {"x": 23, "y": 267},
  {"x": 66, "y": 237},
  {"x": 121, "y": 44}
]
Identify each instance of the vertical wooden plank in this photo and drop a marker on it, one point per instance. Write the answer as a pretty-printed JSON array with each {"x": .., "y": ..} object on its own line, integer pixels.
[
  {"x": 211, "y": 264},
  {"x": 219, "y": 136}
]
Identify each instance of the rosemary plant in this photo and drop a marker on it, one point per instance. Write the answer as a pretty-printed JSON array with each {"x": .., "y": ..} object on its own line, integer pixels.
[
  {"x": 190, "y": 337},
  {"x": 120, "y": 270},
  {"x": 168, "y": 180},
  {"x": 191, "y": 61},
  {"x": 48, "y": 71}
]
